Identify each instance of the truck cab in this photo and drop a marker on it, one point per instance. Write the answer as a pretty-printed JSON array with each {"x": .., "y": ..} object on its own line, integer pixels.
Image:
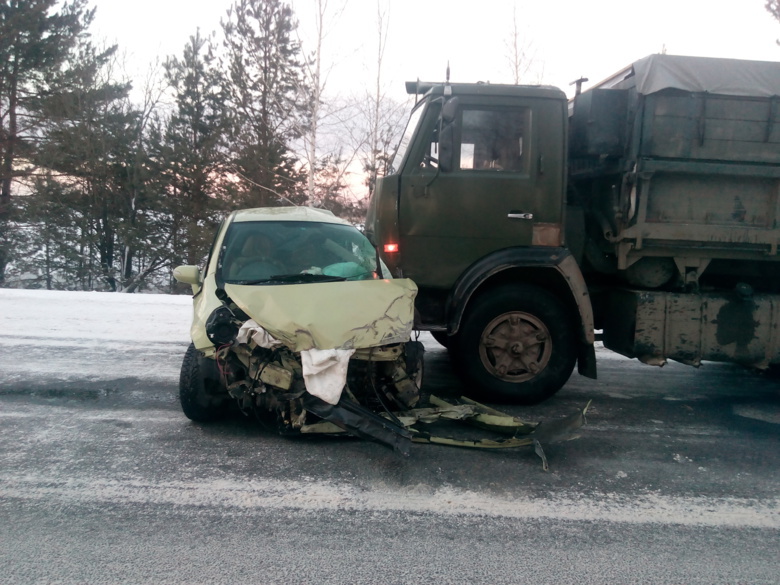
[{"x": 472, "y": 209}]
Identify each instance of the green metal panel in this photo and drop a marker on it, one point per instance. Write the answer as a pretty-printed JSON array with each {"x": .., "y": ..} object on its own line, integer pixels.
[
  {"x": 655, "y": 326},
  {"x": 448, "y": 220}
]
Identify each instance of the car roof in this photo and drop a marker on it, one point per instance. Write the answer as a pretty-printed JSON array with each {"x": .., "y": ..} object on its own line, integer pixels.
[{"x": 287, "y": 214}]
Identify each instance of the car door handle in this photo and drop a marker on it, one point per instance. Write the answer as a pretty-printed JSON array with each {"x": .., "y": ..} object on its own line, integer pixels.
[{"x": 519, "y": 215}]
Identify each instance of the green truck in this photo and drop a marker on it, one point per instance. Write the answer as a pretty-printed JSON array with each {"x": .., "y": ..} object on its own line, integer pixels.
[{"x": 645, "y": 209}]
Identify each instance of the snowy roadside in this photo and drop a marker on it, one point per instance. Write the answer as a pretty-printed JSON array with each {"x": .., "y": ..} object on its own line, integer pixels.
[
  {"x": 65, "y": 335},
  {"x": 55, "y": 316}
]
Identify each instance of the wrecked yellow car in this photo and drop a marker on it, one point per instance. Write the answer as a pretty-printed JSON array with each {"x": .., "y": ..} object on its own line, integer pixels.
[{"x": 296, "y": 317}]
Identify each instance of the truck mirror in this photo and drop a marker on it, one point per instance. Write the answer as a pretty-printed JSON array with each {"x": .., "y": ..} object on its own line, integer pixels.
[
  {"x": 446, "y": 148},
  {"x": 449, "y": 110}
]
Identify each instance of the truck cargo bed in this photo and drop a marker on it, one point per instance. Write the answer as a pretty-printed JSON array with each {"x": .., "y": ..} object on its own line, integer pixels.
[{"x": 679, "y": 158}]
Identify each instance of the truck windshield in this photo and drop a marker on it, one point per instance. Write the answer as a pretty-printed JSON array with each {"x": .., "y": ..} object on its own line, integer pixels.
[
  {"x": 295, "y": 252},
  {"x": 406, "y": 139}
]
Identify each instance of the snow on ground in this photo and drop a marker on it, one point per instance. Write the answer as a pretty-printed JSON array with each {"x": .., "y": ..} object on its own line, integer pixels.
[
  {"x": 106, "y": 335},
  {"x": 122, "y": 319},
  {"x": 260, "y": 495}
]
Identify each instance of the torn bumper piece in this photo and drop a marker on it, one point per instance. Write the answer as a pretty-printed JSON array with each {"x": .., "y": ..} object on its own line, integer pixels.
[
  {"x": 354, "y": 419},
  {"x": 523, "y": 434},
  {"x": 357, "y": 420}
]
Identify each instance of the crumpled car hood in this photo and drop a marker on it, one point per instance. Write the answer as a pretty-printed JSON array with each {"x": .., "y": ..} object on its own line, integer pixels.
[{"x": 341, "y": 315}]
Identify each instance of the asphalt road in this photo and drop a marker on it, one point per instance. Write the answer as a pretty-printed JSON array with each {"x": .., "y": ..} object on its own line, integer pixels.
[{"x": 674, "y": 480}]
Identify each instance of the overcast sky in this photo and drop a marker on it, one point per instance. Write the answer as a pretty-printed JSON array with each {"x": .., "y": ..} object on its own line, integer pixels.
[{"x": 569, "y": 38}]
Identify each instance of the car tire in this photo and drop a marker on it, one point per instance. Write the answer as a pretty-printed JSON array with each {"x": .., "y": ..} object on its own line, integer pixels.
[
  {"x": 517, "y": 343},
  {"x": 199, "y": 396}
]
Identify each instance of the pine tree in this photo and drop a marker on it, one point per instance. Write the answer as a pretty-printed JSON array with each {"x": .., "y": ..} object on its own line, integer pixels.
[
  {"x": 50, "y": 238},
  {"x": 37, "y": 40},
  {"x": 189, "y": 150},
  {"x": 91, "y": 143},
  {"x": 266, "y": 101}
]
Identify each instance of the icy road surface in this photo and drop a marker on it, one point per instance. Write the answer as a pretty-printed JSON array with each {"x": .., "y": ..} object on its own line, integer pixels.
[{"x": 103, "y": 480}]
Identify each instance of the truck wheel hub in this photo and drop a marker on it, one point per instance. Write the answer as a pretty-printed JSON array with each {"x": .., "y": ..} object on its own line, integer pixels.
[{"x": 515, "y": 347}]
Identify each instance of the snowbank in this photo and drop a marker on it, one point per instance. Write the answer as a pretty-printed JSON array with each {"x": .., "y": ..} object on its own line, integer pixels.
[
  {"x": 64, "y": 335},
  {"x": 55, "y": 316}
]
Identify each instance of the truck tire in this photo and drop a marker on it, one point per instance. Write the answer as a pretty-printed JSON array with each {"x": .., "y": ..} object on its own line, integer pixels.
[
  {"x": 199, "y": 396},
  {"x": 516, "y": 343}
]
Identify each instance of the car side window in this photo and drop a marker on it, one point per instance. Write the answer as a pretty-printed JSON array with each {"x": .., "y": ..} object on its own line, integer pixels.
[{"x": 494, "y": 139}]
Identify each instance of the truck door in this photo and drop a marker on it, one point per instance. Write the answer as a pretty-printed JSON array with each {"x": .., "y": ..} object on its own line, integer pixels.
[{"x": 504, "y": 188}]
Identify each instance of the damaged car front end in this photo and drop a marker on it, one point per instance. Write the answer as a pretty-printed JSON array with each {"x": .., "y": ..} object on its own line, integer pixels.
[{"x": 295, "y": 316}]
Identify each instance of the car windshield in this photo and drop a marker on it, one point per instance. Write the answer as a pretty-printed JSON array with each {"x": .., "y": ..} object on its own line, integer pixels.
[{"x": 295, "y": 252}]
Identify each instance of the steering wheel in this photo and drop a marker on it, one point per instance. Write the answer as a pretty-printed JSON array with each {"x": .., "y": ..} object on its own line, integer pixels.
[{"x": 259, "y": 269}]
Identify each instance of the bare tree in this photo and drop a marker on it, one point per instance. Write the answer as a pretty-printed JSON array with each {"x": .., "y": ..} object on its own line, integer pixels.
[
  {"x": 317, "y": 84},
  {"x": 381, "y": 114},
  {"x": 520, "y": 54},
  {"x": 346, "y": 137},
  {"x": 321, "y": 111},
  {"x": 374, "y": 160}
]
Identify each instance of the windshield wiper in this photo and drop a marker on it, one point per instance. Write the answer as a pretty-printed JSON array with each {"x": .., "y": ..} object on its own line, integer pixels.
[{"x": 297, "y": 278}]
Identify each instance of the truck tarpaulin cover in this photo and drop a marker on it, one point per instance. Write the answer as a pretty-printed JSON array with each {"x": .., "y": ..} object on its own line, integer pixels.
[{"x": 703, "y": 74}]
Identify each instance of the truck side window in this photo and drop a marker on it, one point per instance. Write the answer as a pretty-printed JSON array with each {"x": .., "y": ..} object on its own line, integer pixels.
[
  {"x": 493, "y": 139},
  {"x": 431, "y": 158},
  {"x": 429, "y": 129}
]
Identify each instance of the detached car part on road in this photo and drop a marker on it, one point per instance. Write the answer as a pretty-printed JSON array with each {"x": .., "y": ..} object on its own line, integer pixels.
[{"x": 295, "y": 316}]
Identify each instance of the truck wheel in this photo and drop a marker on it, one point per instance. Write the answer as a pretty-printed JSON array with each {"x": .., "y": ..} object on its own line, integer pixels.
[
  {"x": 516, "y": 343},
  {"x": 199, "y": 396}
]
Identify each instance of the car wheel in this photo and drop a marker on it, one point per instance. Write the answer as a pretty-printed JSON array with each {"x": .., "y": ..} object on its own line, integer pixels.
[
  {"x": 517, "y": 343},
  {"x": 199, "y": 396}
]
